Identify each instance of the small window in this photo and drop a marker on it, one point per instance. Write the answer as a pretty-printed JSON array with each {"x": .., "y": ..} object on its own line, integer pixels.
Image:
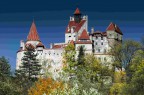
[
  {"x": 102, "y": 43},
  {"x": 96, "y": 37},
  {"x": 69, "y": 36},
  {"x": 101, "y": 38},
  {"x": 98, "y": 50},
  {"x": 110, "y": 34},
  {"x": 96, "y": 43}
]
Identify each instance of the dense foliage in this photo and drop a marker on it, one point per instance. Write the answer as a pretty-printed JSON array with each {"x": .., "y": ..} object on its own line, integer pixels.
[
  {"x": 46, "y": 86},
  {"x": 82, "y": 73}
]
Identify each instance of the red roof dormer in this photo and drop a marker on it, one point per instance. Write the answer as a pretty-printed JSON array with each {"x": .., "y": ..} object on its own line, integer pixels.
[
  {"x": 29, "y": 46},
  {"x": 84, "y": 35},
  {"x": 40, "y": 45},
  {"x": 33, "y": 34}
]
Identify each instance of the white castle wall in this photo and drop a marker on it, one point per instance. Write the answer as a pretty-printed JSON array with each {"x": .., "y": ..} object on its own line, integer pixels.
[
  {"x": 55, "y": 56},
  {"x": 70, "y": 36}
]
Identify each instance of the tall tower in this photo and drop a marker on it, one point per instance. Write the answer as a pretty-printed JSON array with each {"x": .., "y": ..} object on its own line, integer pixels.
[
  {"x": 114, "y": 34},
  {"x": 33, "y": 37},
  {"x": 77, "y": 16},
  {"x": 75, "y": 26},
  {"x": 33, "y": 41}
]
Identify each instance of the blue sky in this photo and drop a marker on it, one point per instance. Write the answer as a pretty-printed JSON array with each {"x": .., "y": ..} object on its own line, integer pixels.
[{"x": 52, "y": 16}]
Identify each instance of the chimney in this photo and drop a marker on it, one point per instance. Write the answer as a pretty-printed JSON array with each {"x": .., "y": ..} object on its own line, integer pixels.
[
  {"x": 22, "y": 44},
  {"x": 92, "y": 30},
  {"x": 70, "y": 18},
  {"x": 51, "y": 45}
]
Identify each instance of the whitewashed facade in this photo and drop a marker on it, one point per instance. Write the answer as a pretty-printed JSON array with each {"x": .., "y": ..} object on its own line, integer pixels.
[{"x": 95, "y": 42}]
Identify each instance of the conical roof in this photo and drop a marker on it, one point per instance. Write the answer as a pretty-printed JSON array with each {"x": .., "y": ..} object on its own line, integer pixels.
[
  {"x": 33, "y": 34},
  {"x": 77, "y": 11}
]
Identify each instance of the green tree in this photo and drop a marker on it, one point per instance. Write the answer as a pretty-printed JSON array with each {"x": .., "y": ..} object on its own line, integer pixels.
[
  {"x": 86, "y": 74},
  {"x": 81, "y": 55},
  {"x": 136, "y": 84},
  {"x": 29, "y": 70},
  {"x": 30, "y": 65},
  {"x": 69, "y": 59},
  {"x": 4, "y": 68},
  {"x": 123, "y": 53},
  {"x": 8, "y": 86}
]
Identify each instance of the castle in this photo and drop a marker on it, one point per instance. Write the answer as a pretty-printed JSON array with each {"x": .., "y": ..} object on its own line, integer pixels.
[{"x": 76, "y": 33}]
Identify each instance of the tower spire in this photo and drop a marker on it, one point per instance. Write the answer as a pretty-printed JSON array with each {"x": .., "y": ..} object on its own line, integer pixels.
[
  {"x": 33, "y": 34},
  {"x": 77, "y": 11}
]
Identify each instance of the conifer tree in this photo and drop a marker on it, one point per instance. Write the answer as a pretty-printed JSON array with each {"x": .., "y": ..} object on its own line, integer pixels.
[
  {"x": 81, "y": 55},
  {"x": 30, "y": 67},
  {"x": 4, "y": 67}
]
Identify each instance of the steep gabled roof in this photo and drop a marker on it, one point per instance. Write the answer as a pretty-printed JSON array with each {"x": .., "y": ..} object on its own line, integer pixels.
[
  {"x": 33, "y": 34},
  {"x": 84, "y": 35},
  {"x": 77, "y": 26},
  {"x": 77, "y": 11},
  {"x": 114, "y": 27}
]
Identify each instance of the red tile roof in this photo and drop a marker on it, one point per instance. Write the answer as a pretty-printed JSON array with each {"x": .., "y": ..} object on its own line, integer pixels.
[
  {"x": 77, "y": 11},
  {"x": 77, "y": 26},
  {"x": 58, "y": 46},
  {"x": 83, "y": 42},
  {"x": 40, "y": 44},
  {"x": 104, "y": 33},
  {"x": 100, "y": 33},
  {"x": 84, "y": 35},
  {"x": 33, "y": 34},
  {"x": 114, "y": 27}
]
